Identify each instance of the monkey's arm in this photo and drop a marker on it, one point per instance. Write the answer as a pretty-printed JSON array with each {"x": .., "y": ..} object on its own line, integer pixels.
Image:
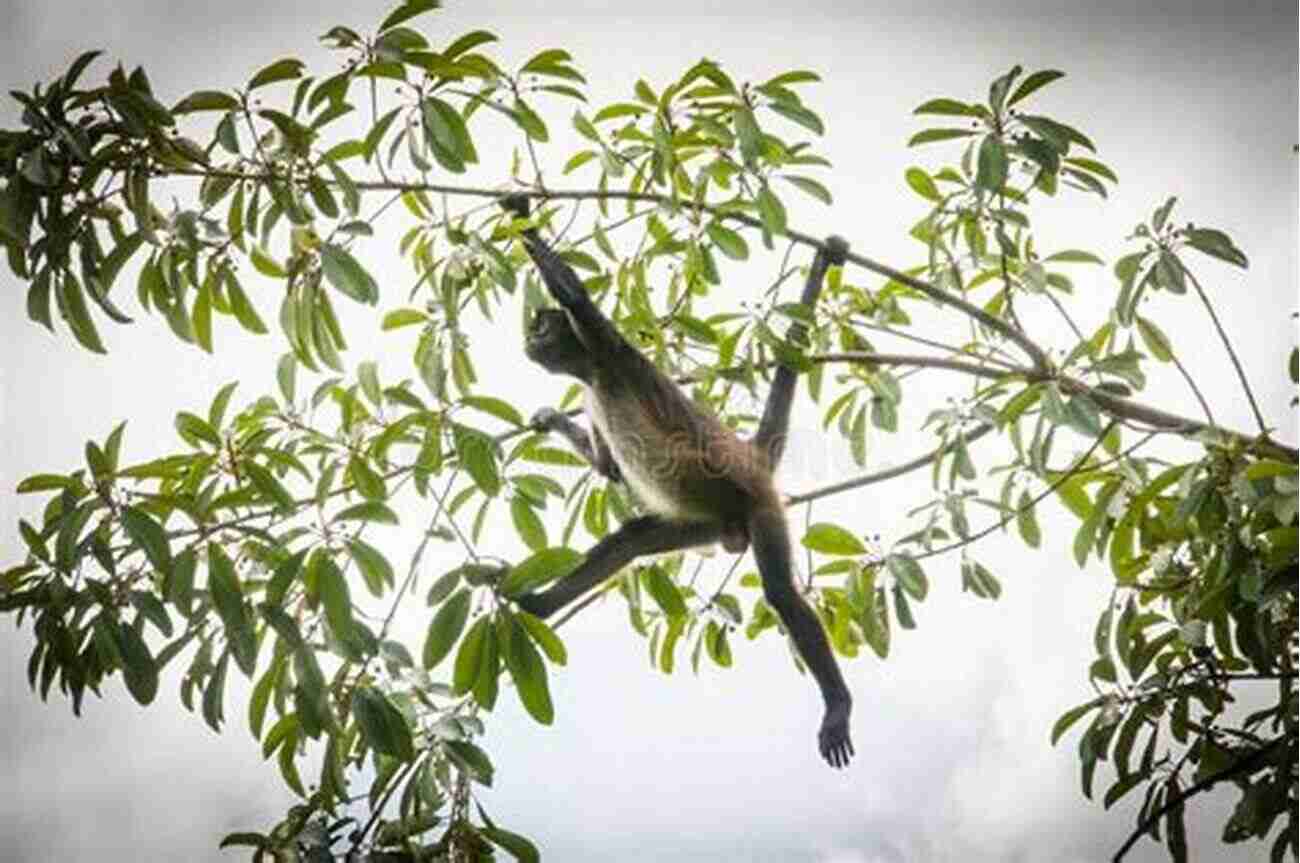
[
  {"x": 772, "y": 428},
  {"x": 770, "y": 540},
  {"x": 649, "y": 534},
  {"x": 591, "y": 445},
  {"x": 591, "y": 325}
]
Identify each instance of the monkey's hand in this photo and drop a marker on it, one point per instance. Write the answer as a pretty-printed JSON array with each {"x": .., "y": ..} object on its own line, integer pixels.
[
  {"x": 837, "y": 249},
  {"x": 516, "y": 205},
  {"x": 535, "y": 604},
  {"x": 833, "y": 738},
  {"x": 546, "y": 420}
]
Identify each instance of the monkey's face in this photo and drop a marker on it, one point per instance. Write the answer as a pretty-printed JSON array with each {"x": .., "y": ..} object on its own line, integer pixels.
[{"x": 552, "y": 344}]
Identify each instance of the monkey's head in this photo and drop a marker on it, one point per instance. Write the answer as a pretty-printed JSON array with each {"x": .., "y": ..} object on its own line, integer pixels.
[{"x": 552, "y": 344}]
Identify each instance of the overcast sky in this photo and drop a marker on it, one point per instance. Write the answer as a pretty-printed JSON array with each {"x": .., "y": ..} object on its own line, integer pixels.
[{"x": 1197, "y": 99}]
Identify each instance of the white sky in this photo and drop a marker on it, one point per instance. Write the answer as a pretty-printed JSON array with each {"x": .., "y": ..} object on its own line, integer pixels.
[{"x": 951, "y": 732}]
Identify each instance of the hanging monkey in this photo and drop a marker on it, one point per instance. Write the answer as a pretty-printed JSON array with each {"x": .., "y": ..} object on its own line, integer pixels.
[{"x": 701, "y": 482}]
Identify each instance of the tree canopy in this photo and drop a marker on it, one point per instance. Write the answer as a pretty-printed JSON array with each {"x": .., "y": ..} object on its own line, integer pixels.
[{"x": 251, "y": 548}]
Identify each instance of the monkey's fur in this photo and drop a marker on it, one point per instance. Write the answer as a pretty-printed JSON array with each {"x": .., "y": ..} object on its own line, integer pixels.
[{"x": 700, "y": 481}]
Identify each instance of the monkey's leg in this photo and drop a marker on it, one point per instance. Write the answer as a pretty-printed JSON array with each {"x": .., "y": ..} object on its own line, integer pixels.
[
  {"x": 648, "y": 534},
  {"x": 590, "y": 445},
  {"x": 771, "y": 543},
  {"x": 775, "y": 423}
]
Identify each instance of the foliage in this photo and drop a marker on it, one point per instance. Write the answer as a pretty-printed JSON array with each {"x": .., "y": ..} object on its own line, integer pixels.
[{"x": 254, "y": 543}]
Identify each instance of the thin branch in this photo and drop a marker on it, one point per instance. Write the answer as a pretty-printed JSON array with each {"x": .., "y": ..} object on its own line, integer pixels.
[
  {"x": 417, "y": 555},
  {"x": 878, "y": 359},
  {"x": 1248, "y": 764},
  {"x": 888, "y": 473},
  {"x": 858, "y": 321},
  {"x": 1118, "y": 406},
  {"x": 1008, "y": 331},
  {"x": 1227, "y": 344},
  {"x": 1005, "y": 520},
  {"x": 360, "y": 836},
  {"x": 1196, "y": 391}
]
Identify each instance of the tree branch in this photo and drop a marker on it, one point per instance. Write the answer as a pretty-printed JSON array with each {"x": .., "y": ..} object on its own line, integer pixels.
[
  {"x": 888, "y": 473},
  {"x": 1227, "y": 344},
  {"x": 1247, "y": 764},
  {"x": 1037, "y": 354}
]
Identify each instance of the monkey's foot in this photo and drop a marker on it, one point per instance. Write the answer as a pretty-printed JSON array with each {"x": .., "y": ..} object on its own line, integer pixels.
[
  {"x": 545, "y": 420},
  {"x": 833, "y": 738},
  {"x": 516, "y": 204},
  {"x": 535, "y": 604}
]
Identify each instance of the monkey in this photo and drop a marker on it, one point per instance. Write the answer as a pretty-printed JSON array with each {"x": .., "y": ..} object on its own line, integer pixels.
[{"x": 700, "y": 482}]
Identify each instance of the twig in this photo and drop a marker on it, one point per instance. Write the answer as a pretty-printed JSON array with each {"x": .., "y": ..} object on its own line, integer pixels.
[
  {"x": 1008, "y": 331},
  {"x": 1243, "y": 765},
  {"x": 1227, "y": 344},
  {"x": 888, "y": 473},
  {"x": 1005, "y": 520}
]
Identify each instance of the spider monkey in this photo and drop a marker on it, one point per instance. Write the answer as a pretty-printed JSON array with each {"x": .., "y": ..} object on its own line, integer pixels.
[{"x": 701, "y": 482}]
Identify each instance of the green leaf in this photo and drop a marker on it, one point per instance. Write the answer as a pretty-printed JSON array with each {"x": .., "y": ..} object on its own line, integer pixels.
[
  {"x": 374, "y": 567},
  {"x": 528, "y": 671},
  {"x": 271, "y": 489},
  {"x": 1215, "y": 244},
  {"x": 337, "y": 600},
  {"x": 138, "y": 666},
  {"x": 1155, "y": 340},
  {"x": 265, "y": 264},
  {"x": 930, "y": 136},
  {"x": 408, "y": 10},
  {"x": 368, "y": 377},
  {"x": 403, "y": 318},
  {"x": 991, "y": 172},
  {"x": 1092, "y": 166},
  {"x": 921, "y": 183},
  {"x": 771, "y": 210},
  {"x": 513, "y": 844},
  {"x": 446, "y": 627},
  {"x": 1033, "y": 83},
  {"x": 346, "y": 274},
  {"x": 799, "y": 114},
  {"x": 477, "y": 454},
  {"x": 544, "y": 637},
  {"x": 281, "y": 70},
  {"x": 828, "y": 538},
  {"x": 529, "y": 526},
  {"x": 542, "y": 567},
  {"x": 528, "y": 120},
  {"x": 809, "y": 186},
  {"x": 729, "y": 242},
  {"x": 245, "y": 840},
  {"x": 285, "y": 374},
  {"x": 223, "y": 585},
  {"x": 383, "y": 728},
  {"x": 748, "y": 133},
  {"x": 370, "y": 484},
  {"x": 206, "y": 100},
  {"x": 1170, "y": 271},
  {"x": 190, "y": 426},
  {"x": 146, "y": 533},
  {"x": 469, "y": 659},
  {"x": 1070, "y": 717},
  {"x": 664, "y": 592},
  {"x": 498, "y": 408},
  {"x": 1073, "y": 256},
  {"x": 946, "y": 107},
  {"x": 908, "y": 573},
  {"x": 369, "y": 510},
  {"x": 72, "y": 305},
  {"x": 1027, "y": 520},
  {"x": 242, "y": 307},
  {"x": 474, "y": 760}
]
